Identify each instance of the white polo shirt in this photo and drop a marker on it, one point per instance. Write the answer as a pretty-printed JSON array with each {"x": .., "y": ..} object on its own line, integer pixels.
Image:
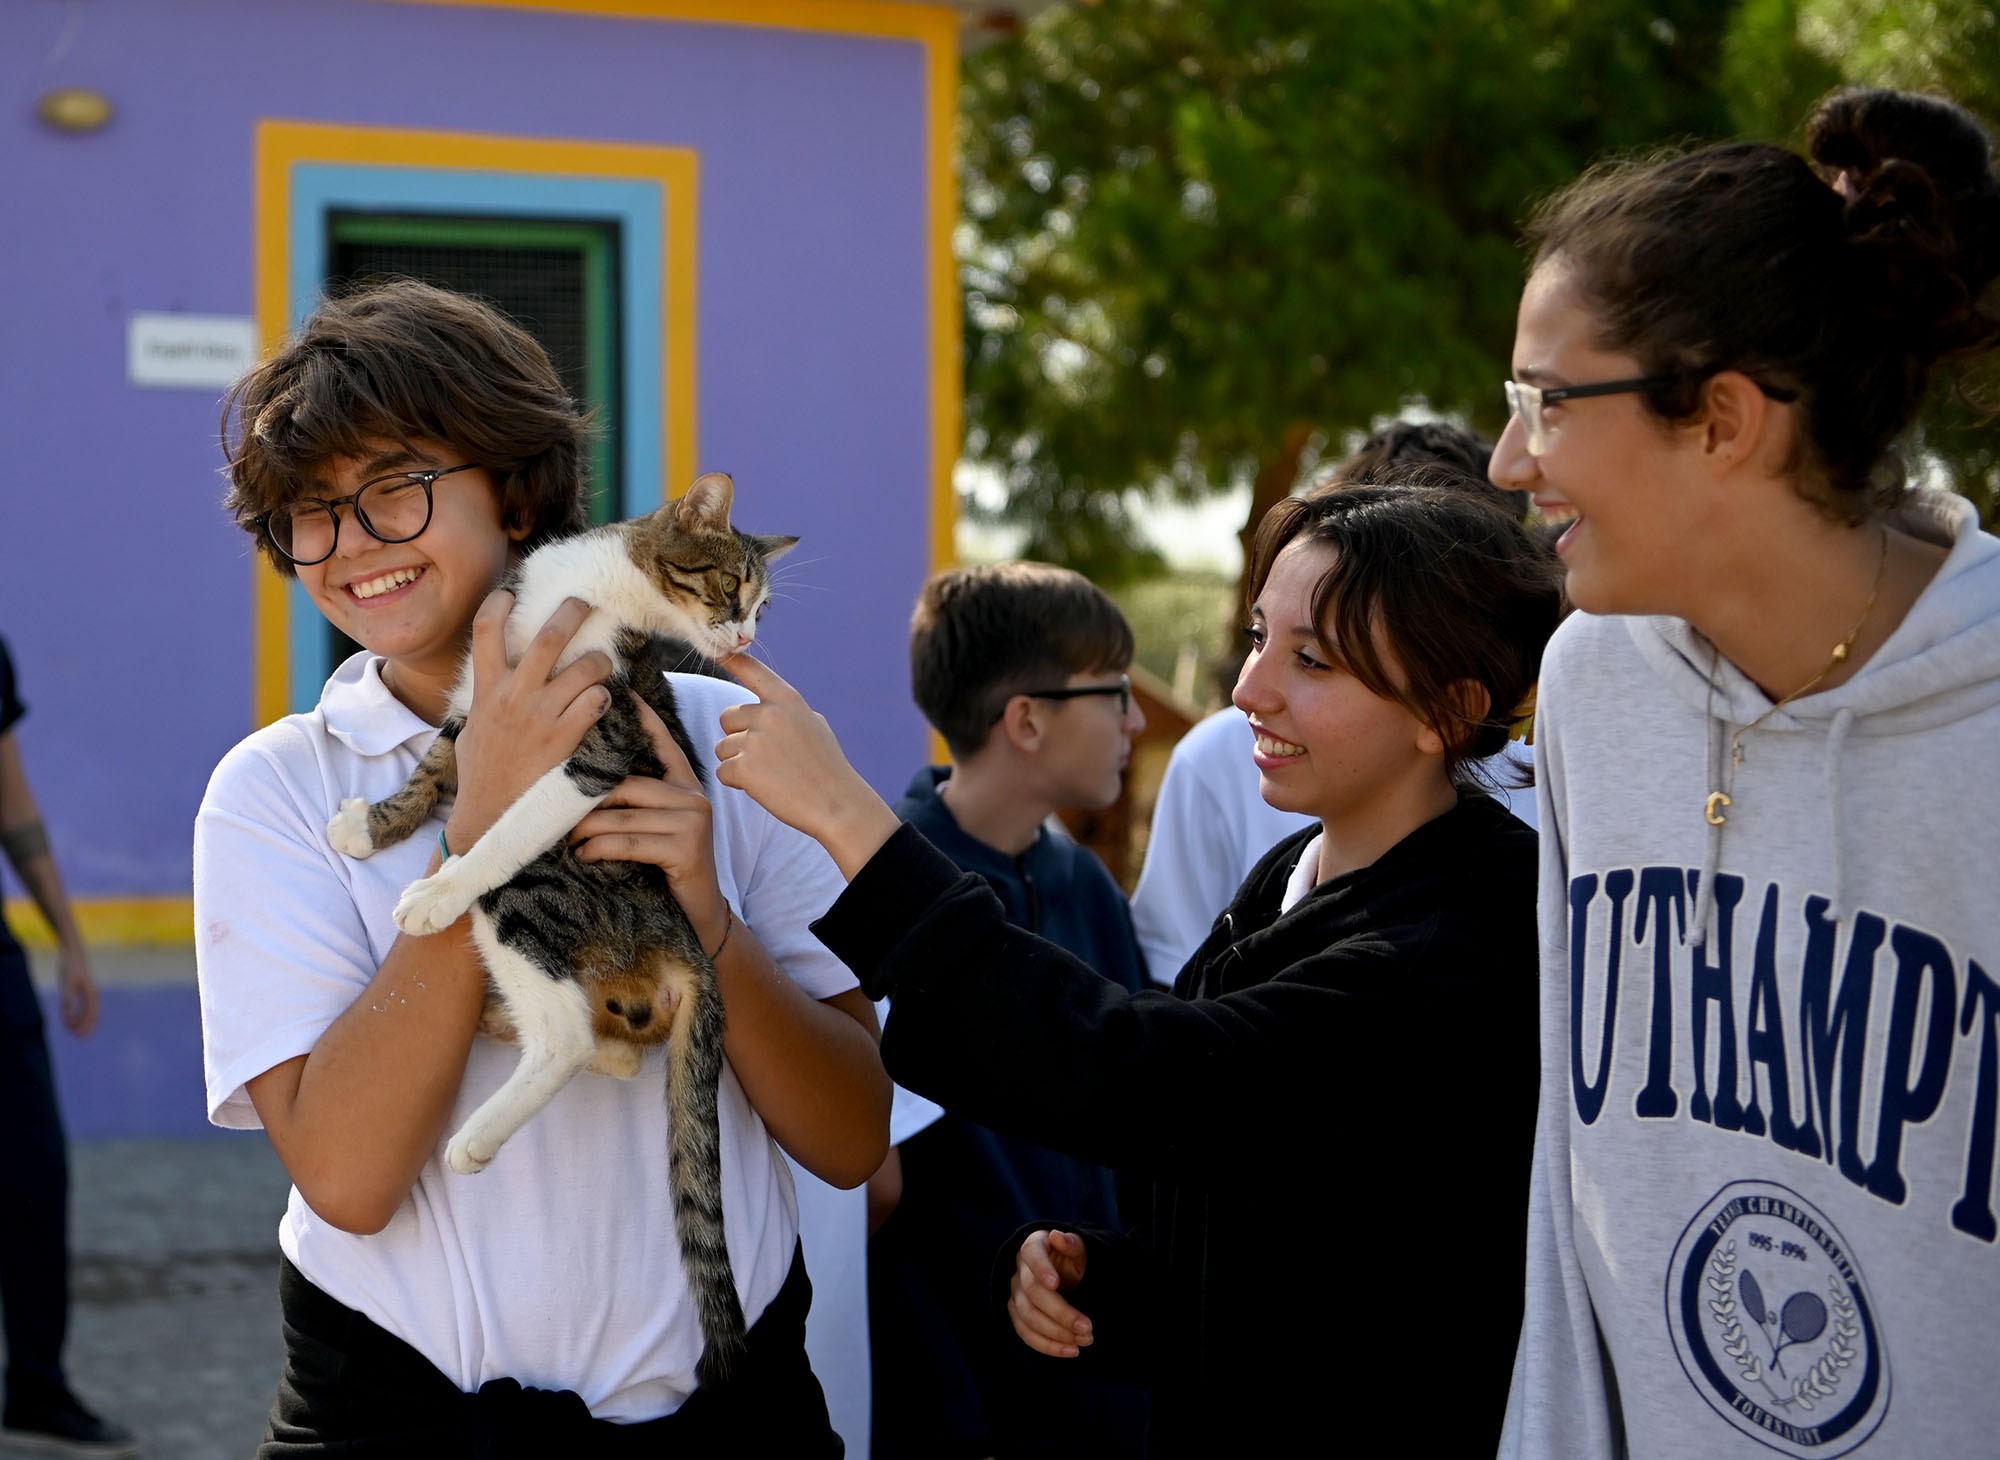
[{"x": 557, "y": 1265}]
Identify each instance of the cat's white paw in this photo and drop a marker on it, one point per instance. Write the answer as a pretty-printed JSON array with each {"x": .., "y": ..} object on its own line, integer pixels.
[
  {"x": 432, "y": 904},
  {"x": 459, "y": 1155},
  {"x": 347, "y": 833},
  {"x": 617, "y": 1059}
]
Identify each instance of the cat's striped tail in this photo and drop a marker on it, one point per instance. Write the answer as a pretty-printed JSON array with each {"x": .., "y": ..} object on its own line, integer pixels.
[{"x": 694, "y": 1166}]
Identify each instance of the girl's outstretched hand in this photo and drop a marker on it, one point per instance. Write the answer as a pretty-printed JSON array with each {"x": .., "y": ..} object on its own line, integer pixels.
[
  {"x": 783, "y": 754},
  {"x": 1048, "y": 1265}
]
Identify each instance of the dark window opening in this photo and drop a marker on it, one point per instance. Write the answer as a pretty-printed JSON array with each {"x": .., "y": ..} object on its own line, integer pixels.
[{"x": 558, "y": 278}]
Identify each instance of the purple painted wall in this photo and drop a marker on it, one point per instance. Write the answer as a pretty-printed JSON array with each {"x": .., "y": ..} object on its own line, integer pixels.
[
  {"x": 126, "y": 595},
  {"x": 139, "y": 1072}
]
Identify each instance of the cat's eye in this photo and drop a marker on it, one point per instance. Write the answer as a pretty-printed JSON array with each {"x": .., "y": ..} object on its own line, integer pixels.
[{"x": 730, "y": 582}]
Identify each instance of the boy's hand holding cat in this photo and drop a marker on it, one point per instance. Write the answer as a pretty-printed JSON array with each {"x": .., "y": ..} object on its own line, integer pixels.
[
  {"x": 525, "y": 720},
  {"x": 784, "y": 755},
  {"x": 666, "y": 822}
]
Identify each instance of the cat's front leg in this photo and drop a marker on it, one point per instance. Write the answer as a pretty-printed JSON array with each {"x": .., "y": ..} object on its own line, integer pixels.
[
  {"x": 543, "y": 815},
  {"x": 359, "y": 830},
  {"x": 347, "y": 833}
]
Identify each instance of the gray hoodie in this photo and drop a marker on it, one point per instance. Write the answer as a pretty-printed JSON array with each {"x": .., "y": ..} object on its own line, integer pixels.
[{"x": 1763, "y": 1212}]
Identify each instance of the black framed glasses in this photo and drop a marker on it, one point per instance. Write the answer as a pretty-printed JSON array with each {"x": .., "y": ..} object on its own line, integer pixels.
[
  {"x": 1526, "y": 401},
  {"x": 1123, "y": 689},
  {"x": 393, "y": 508}
]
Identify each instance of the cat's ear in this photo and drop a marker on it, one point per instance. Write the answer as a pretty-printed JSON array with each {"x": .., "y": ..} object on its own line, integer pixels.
[
  {"x": 774, "y": 548},
  {"x": 705, "y": 508}
]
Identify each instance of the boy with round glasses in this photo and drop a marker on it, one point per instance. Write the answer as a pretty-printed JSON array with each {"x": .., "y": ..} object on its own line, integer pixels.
[{"x": 397, "y": 455}]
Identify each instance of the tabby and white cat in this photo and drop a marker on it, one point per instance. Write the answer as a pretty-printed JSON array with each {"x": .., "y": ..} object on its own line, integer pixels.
[{"x": 583, "y": 958}]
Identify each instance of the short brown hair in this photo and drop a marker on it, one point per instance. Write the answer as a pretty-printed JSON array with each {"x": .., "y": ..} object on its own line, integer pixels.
[
  {"x": 398, "y": 360},
  {"x": 980, "y": 636},
  {"x": 1448, "y": 583}
]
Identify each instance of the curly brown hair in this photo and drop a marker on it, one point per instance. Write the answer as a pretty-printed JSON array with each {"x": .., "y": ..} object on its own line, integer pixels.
[{"x": 400, "y": 360}]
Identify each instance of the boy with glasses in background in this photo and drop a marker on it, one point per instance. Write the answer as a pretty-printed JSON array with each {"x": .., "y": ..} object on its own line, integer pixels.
[{"x": 1022, "y": 668}]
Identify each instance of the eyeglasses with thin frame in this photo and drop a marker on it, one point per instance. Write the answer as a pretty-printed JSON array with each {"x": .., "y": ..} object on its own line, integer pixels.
[
  {"x": 1526, "y": 401},
  {"x": 1123, "y": 689},
  {"x": 393, "y": 508}
]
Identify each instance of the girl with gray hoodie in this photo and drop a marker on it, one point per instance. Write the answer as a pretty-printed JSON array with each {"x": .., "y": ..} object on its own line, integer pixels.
[{"x": 1763, "y": 1210}]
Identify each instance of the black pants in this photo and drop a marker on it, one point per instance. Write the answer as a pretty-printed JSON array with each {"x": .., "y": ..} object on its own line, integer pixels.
[
  {"x": 351, "y": 1388},
  {"x": 34, "y": 1214}
]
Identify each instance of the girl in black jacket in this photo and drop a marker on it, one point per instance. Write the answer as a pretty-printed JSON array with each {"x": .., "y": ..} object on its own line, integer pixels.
[{"x": 1330, "y": 1259}]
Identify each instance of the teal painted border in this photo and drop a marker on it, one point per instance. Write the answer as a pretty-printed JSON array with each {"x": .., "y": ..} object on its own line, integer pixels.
[{"x": 320, "y": 188}]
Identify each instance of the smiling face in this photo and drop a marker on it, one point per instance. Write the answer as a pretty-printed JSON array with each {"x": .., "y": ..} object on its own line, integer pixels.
[
  {"x": 1641, "y": 510},
  {"x": 1326, "y": 745},
  {"x": 412, "y": 602}
]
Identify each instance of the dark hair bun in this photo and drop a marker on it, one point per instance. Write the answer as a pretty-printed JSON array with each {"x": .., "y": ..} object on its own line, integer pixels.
[{"x": 1922, "y": 209}]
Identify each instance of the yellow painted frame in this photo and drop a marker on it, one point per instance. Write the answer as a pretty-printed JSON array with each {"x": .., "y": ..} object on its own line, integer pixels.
[
  {"x": 934, "y": 28},
  {"x": 110, "y": 922},
  {"x": 282, "y": 146}
]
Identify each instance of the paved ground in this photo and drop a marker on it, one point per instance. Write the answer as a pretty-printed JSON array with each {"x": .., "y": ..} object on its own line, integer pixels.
[{"x": 174, "y": 1323}]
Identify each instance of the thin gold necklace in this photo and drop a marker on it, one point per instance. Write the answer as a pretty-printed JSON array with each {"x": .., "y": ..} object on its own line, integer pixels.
[{"x": 1717, "y": 800}]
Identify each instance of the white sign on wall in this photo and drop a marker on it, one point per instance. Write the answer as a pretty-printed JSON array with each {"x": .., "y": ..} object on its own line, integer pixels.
[{"x": 189, "y": 350}]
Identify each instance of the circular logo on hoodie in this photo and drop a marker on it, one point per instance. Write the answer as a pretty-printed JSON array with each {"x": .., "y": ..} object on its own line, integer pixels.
[{"x": 1773, "y": 1324}]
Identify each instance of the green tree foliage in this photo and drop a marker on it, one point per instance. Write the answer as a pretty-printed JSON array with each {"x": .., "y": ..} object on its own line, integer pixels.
[
  {"x": 1204, "y": 237},
  {"x": 1782, "y": 55}
]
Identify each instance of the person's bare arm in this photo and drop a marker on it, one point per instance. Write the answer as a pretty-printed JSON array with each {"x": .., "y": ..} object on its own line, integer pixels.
[
  {"x": 26, "y": 842},
  {"x": 355, "y": 1119},
  {"x": 810, "y": 1067}
]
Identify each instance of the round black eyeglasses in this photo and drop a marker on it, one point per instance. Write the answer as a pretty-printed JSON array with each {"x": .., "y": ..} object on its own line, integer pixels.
[{"x": 393, "y": 508}]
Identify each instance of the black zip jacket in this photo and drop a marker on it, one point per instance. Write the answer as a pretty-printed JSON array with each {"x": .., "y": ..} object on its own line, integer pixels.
[{"x": 1330, "y": 1261}]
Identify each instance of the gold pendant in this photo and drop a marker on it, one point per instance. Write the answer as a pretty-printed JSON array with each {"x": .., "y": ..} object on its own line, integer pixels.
[{"x": 1717, "y": 800}]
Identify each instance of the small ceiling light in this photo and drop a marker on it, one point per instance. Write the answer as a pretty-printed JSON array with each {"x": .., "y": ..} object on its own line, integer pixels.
[{"x": 74, "y": 109}]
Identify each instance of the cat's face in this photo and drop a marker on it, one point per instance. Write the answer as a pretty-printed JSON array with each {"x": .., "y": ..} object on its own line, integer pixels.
[{"x": 714, "y": 579}]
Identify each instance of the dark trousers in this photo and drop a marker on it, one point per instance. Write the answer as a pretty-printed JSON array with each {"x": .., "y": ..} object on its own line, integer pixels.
[
  {"x": 351, "y": 1388},
  {"x": 34, "y": 1174}
]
